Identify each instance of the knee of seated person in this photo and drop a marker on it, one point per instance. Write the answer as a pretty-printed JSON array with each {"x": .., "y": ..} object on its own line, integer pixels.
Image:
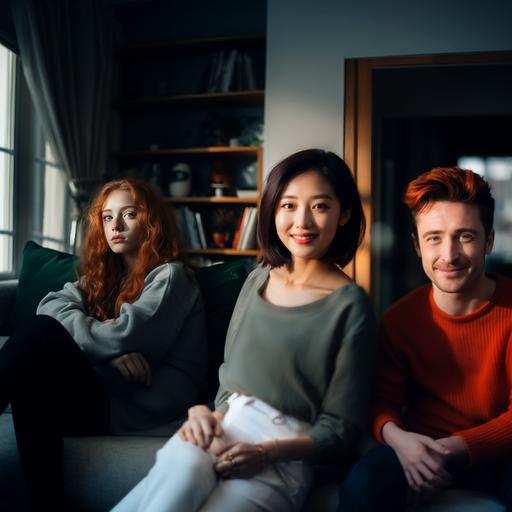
[
  {"x": 45, "y": 323},
  {"x": 38, "y": 330},
  {"x": 185, "y": 456},
  {"x": 358, "y": 480},
  {"x": 374, "y": 472}
]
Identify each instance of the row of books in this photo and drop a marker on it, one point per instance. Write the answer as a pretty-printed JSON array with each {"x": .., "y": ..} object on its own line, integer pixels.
[
  {"x": 195, "y": 236},
  {"x": 245, "y": 234},
  {"x": 191, "y": 228},
  {"x": 230, "y": 70}
]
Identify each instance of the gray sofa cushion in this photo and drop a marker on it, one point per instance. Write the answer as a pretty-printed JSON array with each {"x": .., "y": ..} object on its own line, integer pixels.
[
  {"x": 7, "y": 300},
  {"x": 11, "y": 483},
  {"x": 99, "y": 471},
  {"x": 454, "y": 500}
]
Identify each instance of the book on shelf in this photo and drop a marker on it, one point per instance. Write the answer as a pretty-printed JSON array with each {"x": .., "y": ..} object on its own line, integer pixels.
[
  {"x": 238, "y": 84},
  {"x": 195, "y": 242},
  {"x": 200, "y": 229},
  {"x": 248, "y": 234},
  {"x": 240, "y": 227},
  {"x": 248, "y": 73},
  {"x": 230, "y": 70},
  {"x": 245, "y": 234},
  {"x": 215, "y": 70},
  {"x": 188, "y": 228},
  {"x": 182, "y": 227}
]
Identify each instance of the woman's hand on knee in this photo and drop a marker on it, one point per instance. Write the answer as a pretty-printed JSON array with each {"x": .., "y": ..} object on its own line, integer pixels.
[
  {"x": 201, "y": 427},
  {"x": 241, "y": 460}
]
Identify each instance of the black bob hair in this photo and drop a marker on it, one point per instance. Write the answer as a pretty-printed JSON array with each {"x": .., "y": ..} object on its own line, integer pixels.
[{"x": 348, "y": 237}]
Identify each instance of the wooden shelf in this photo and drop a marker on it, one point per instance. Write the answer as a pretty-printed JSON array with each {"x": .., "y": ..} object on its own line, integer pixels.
[
  {"x": 140, "y": 107},
  {"x": 213, "y": 199},
  {"x": 222, "y": 252},
  {"x": 250, "y": 151},
  {"x": 256, "y": 97},
  {"x": 157, "y": 50}
]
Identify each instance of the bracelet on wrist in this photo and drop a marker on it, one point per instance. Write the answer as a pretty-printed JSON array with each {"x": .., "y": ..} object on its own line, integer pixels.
[
  {"x": 275, "y": 454},
  {"x": 263, "y": 453},
  {"x": 268, "y": 454}
]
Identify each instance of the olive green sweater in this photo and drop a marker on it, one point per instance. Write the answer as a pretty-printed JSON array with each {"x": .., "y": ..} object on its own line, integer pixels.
[{"x": 313, "y": 362}]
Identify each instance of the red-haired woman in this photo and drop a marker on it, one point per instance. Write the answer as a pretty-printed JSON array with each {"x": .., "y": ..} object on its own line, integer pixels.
[{"x": 121, "y": 350}]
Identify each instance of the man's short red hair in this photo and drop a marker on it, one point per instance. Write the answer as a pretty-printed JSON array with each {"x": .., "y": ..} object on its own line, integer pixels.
[{"x": 451, "y": 184}]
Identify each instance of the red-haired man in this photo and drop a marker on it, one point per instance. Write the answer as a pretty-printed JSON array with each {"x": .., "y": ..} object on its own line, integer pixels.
[{"x": 443, "y": 400}]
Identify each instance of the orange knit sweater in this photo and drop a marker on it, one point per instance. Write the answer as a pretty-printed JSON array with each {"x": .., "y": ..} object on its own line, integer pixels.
[{"x": 440, "y": 375}]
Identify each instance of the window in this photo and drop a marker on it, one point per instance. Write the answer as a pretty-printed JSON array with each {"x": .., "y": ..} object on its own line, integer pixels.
[
  {"x": 51, "y": 203},
  {"x": 34, "y": 202},
  {"x": 497, "y": 171},
  {"x": 7, "y": 100}
]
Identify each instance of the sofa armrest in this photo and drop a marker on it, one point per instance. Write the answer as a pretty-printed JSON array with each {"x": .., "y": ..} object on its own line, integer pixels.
[{"x": 7, "y": 300}]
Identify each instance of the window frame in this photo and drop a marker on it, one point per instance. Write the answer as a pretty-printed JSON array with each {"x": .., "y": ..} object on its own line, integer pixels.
[
  {"x": 39, "y": 168},
  {"x": 12, "y": 153},
  {"x": 27, "y": 133}
]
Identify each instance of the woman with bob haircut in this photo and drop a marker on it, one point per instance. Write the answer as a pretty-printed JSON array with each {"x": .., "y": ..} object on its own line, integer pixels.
[
  {"x": 296, "y": 379},
  {"x": 121, "y": 350}
]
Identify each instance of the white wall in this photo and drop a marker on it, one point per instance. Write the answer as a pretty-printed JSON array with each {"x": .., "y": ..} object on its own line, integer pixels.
[{"x": 309, "y": 40}]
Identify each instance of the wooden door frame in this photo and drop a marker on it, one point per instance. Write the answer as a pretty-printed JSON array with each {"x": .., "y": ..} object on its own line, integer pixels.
[{"x": 358, "y": 114}]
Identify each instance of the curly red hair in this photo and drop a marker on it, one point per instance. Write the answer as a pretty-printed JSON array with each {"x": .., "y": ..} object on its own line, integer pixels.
[
  {"x": 451, "y": 184},
  {"x": 105, "y": 285}
]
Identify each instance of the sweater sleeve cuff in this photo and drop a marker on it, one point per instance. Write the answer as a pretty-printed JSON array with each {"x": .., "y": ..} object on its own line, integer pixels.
[
  {"x": 222, "y": 407},
  {"x": 378, "y": 424},
  {"x": 332, "y": 438},
  {"x": 324, "y": 449},
  {"x": 486, "y": 445}
]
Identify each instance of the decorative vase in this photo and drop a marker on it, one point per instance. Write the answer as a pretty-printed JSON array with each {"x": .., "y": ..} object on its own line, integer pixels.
[{"x": 180, "y": 182}]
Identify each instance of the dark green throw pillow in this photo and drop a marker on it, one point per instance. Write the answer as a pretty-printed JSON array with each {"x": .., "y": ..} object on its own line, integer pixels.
[
  {"x": 42, "y": 271},
  {"x": 220, "y": 285}
]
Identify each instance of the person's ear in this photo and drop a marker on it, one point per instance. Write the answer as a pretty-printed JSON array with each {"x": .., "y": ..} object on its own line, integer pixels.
[
  {"x": 489, "y": 243},
  {"x": 416, "y": 244},
  {"x": 344, "y": 218}
]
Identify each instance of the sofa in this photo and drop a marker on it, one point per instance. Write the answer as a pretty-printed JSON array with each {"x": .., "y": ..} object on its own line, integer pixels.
[{"x": 100, "y": 470}]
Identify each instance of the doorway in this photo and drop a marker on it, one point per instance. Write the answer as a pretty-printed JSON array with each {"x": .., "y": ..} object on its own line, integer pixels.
[{"x": 404, "y": 116}]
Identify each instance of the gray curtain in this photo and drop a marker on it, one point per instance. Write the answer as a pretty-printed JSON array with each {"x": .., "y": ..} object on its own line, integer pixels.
[{"x": 66, "y": 54}]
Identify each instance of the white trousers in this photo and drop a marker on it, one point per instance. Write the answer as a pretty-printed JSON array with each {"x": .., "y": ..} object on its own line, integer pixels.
[{"x": 183, "y": 478}]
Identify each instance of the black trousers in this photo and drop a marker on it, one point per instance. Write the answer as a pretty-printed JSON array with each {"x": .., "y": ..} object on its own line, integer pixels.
[
  {"x": 54, "y": 393},
  {"x": 377, "y": 482}
]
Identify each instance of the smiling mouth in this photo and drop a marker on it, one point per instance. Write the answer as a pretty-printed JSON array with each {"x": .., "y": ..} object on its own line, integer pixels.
[
  {"x": 304, "y": 239},
  {"x": 452, "y": 271}
]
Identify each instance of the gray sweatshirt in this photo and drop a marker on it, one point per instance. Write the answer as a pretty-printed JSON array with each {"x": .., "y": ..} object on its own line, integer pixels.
[
  {"x": 314, "y": 362},
  {"x": 165, "y": 324}
]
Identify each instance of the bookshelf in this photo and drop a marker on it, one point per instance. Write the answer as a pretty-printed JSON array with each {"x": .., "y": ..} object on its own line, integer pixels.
[
  {"x": 189, "y": 46},
  {"x": 208, "y": 119},
  {"x": 224, "y": 150},
  {"x": 202, "y": 99},
  {"x": 213, "y": 200}
]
